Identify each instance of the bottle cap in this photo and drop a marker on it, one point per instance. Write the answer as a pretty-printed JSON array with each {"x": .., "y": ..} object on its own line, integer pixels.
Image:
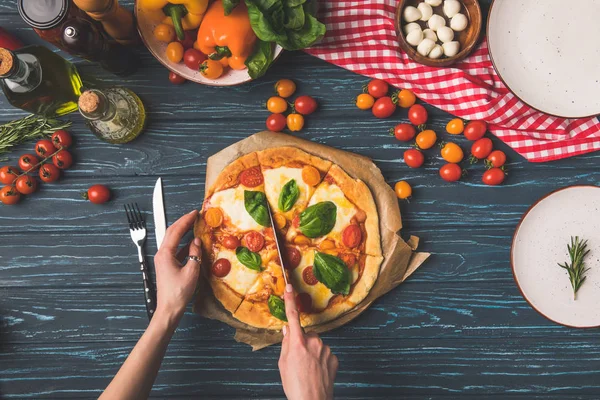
[
  {"x": 89, "y": 102},
  {"x": 7, "y": 61},
  {"x": 43, "y": 14}
]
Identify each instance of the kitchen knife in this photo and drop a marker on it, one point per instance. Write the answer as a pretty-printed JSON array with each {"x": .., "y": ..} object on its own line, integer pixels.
[
  {"x": 275, "y": 235},
  {"x": 158, "y": 213}
]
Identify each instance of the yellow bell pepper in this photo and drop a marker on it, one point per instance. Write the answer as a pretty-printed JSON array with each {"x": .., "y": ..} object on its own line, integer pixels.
[{"x": 183, "y": 15}]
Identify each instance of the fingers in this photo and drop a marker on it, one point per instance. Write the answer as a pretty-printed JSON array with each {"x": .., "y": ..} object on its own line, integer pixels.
[
  {"x": 195, "y": 251},
  {"x": 291, "y": 311},
  {"x": 176, "y": 231},
  {"x": 183, "y": 252}
]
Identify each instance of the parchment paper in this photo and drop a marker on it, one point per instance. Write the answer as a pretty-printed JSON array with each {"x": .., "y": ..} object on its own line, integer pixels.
[{"x": 400, "y": 258}]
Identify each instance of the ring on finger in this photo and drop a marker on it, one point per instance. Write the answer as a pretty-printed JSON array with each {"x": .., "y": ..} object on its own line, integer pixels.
[{"x": 195, "y": 258}]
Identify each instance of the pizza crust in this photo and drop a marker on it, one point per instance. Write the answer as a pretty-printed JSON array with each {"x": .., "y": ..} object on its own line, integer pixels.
[
  {"x": 257, "y": 314},
  {"x": 359, "y": 194},
  {"x": 229, "y": 177},
  {"x": 292, "y": 157},
  {"x": 229, "y": 298}
]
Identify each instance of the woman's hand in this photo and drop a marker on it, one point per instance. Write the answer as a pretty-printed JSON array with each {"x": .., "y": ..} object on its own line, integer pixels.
[
  {"x": 306, "y": 365},
  {"x": 175, "y": 282}
]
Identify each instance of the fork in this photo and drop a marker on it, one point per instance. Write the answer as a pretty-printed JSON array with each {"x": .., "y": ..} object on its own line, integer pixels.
[{"x": 137, "y": 229}]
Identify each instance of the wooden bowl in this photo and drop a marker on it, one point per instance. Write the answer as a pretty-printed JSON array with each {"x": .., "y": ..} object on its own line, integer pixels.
[{"x": 467, "y": 38}]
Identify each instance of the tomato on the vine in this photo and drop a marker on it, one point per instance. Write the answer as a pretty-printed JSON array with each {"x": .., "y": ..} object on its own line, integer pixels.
[
  {"x": 44, "y": 148},
  {"x": 49, "y": 173},
  {"x": 414, "y": 158},
  {"x": 62, "y": 138},
  {"x": 63, "y": 159},
  {"x": 277, "y": 105},
  {"x": 192, "y": 59},
  {"x": 97, "y": 194},
  {"x": 378, "y": 88},
  {"x": 285, "y": 88},
  {"x": 475, "y": 130},
  {"x": 493, "y": 177},
  {"x": 26, "y": 184},
  {"x": 404, "y": 132},
  {"x": 384, "y": 107},
  {"x": 482, "y": 148},
  {"x": 406, "y": 98},
  {"x": 365, "y": 101},
  {"x": 8, "y": 175},
  {"x": 276, "y": 122},
  {"x": 28, "y": 162},
  {"x": 295, "y": 122},
  {"x": 451, "y": 172},
  {"x": 403, "y": 190},
  {"x": 456, "y": 126},
  {"x": 176, "y": 79},
  {"x": 496, "y": 159},
  {"x": 426, "y": 139},
  {"x": 305, "y": 105},
  {"x": 9, "y": 195},
  {"x": 417, "y": 115},
  {"x": 452, "y": 153}
]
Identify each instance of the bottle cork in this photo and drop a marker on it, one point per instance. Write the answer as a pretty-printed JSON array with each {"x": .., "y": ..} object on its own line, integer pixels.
[
  {"x": 89, "y": 102},
  {"x": 7, "y": 61},
  {"x": 116, "y": 20}
]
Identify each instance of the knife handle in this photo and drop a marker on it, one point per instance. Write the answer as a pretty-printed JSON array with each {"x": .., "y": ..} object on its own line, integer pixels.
[{"x": 149, "y": 292}]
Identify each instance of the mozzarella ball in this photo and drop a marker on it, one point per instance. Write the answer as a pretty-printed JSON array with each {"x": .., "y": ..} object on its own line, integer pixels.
[
  {"x": 429, "y": 34},
  {"x": 415, "y": 37},
  {"x": 451, "y": 8},
  {"x": 436, "y": 52},
  {"x": 451, "y": 48},
  {"x": 433, "y": 3},
  {"x": 436, "y": 22},
  {"x": 411, "y": 14},
  {"x": 413, "y": 26},
  {"x": 459, "y": 22},
  {"x": 445, "y": 34},
  {"x": 425, "y": 47},
  {"x": 426, "y": 11}
]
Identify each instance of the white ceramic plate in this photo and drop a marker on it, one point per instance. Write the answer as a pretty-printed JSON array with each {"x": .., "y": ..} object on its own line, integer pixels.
[
  {"x": 157, "y": 48},
  {"x": 546, "y": 52},
  {"x": 540, "y": 243}
]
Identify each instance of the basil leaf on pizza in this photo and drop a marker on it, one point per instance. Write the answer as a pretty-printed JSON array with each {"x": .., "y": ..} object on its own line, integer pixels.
[
  {"x": 318, "y": 219},
  {"x": 277, "y": 307},
  {"x": 248, "y": 258},
  {"x": 332, "y": 272},
  {"x": 256, "y": 205},
  {"x": 288, "y": 196}
]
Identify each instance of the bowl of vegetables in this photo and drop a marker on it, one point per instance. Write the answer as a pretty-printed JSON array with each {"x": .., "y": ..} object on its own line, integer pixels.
[{"x": 225, "y": 42}]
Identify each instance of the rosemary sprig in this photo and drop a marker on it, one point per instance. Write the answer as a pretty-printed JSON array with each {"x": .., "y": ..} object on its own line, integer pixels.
[
  {"x": 28, "y": 128},
  {"x": 577, "y": 252}
]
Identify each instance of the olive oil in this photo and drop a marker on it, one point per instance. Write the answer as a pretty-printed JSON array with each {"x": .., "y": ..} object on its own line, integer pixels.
[
  {"x": 115, "y": 115},
  {"x": 37, "y": 80}
]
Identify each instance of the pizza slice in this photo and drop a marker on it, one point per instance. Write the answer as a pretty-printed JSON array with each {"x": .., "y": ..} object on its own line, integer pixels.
[{"x": 341, "y": 214}]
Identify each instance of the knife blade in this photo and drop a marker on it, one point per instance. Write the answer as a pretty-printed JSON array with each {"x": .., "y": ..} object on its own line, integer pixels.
[
  {"x": 158, "y": 213},
  {"x": 275, "y": 235}
]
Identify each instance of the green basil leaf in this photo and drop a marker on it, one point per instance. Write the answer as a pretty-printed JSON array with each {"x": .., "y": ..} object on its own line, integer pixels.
[
  {"x": 277, "y": 307},
  {"x": 256, "y": 205},
  {"x": 260, "y": 60},
  {"x": 332, "y": 272},
  {"x": 262, "y": 24},
  {"x": 288, "y": 196},
  {"x": 318, "y": 219},
  {"x": 294, "y": 3},
  {"x": 311, "y": 32},
  {"x": 248, "y": 258},
  {"x": 229, "y": 5},
  {"x": 294, "y": 17}
]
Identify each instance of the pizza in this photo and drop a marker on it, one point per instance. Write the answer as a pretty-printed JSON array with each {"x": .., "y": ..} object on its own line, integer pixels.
[{"x": 328, "y": 227}]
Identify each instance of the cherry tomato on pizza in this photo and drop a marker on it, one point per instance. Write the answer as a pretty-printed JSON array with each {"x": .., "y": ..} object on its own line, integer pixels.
[
  {"x": 451, "y": 172},
  {"x": 352, "y": 236},
  {"x": 254, "y": 241},
  {"x": 365, "y": 101},
  {"x": 310, "y": 175},
  {"x": 251, "y": 177},
  {"x": 493, "y": 177},
  {"x": 221, "y": 268},
  {"x": 305, "y": 105},
  {"x": 426, "y": 139},
  {"x": 231, "y": 242},
  {"x": 292, "y": 257},
  {"x": 384, "y": 107},
  {"x": 44, "y": 148},
  {"x": 304, "y": 302},
  {"x": 26, "y": 184},
  {"x": 9, "y": 195},
  {"x": 309, "y": 277},
  {"x": 285, "y": 88},
  {"x": 417, "y": 115},
  {"x": 414, "y": 158},
  {"x": 349, "y": 259},
  {"x": 496, "y": 159},
  {"x": 213, "y": 217},
  {"x": 403, "y": 190},
  {"x": 475, "y": 130},
  {"x": 28, "y": 162},
  {"x": 482, "y": 148},
  {"x": 456, "y": 126},
  {"x": 452, "y": 153},
  {"x": 378, "y": 88},
  {"x": 61, "y": 139},
  {"x": 8, "y": 175},
  {"x": 276, "y": 122},
  {"x": 404, "y": 132}
]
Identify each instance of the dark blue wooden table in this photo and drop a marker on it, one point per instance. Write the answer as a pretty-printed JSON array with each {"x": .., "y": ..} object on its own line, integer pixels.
[{"x": 71, "y": 303}]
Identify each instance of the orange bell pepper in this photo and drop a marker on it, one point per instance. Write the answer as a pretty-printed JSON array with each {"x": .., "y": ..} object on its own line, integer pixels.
[{"x": 227, "y": 38}]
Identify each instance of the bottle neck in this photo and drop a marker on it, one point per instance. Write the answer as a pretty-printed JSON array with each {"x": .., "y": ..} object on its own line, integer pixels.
[
  {"x": 105, "y": 109},
  {"x": 25, "y": 74}
]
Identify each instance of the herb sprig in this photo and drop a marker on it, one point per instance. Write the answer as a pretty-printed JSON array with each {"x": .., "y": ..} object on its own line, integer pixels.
[
  {"x": 31, "y": 127},
  {"x": 576, "y": 269}
]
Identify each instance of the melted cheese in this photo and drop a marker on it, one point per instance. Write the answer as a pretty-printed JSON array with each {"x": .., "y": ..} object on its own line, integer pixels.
[
  {"x": 345, "y": 209},
  {"x": 276, "y": 178},
  {"x": 231, "y": 201},
  {"x": 271, "y": 281},
  {"x": 240, "y": 278},
  {"x": 319, "y": 293}
]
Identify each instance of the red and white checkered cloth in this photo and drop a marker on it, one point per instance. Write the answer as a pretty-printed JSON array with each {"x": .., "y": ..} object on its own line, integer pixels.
[{"x": 361, "y": 37}]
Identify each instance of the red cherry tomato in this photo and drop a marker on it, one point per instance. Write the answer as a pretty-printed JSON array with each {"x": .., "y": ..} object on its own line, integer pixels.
[
  {"x": 475, "y": 130},
  {"x": 63, "y": 159},
  {"x": 49, "y": 173},
  {"x": 276, "y": 122},
  {"x": 292, "y": 257},
  {"x": 305, "y": 105},
  {"x": 352, "y": 236},
  {"x": 404, "y": 132},
  {"x": 309, "y": 276},
  {"x": 378, "y": 88},
  {"x": 61, "y": 138},
  {"x": 451, "y": 172},
  {"x": 193, "y": 58},
  {"x": 26, "y": 184},
  {"x": 231, "y": 242},
  {"x": 304, "y": 302},
  {"x": 417, "y": 115},
  {"x": 221, "y": 268},
  {"x": 251, "y": 177},
  {"x": 188, "y": 41},
  {"x": 98, "y": 194},
  {"x": 176, "y": 79},
  {"x": 8, "y": 175},
  {"x": 9, "y": 195},
  {"x": 414, "y": 158},
  {"x": 44, "y": 148},
  {"x": 482, "y": 148},
  {"x": 496, "y": 159},
  {"x": 349, "y": 259},
  {"x": 254, "y": 241},
  {"x": 493, "y": 177},
  {"x": 28, "y": 162},
  {"x": 384, "y": 107}
]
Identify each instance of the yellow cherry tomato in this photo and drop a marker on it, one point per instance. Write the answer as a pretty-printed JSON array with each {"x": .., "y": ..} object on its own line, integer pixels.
[
  {"x": 164, "y": 33},
  {"x": 285, "y": 88},
  {"x": 197, "y": 46},
  {"x": 426, "y": 139},
  {"x": 455, "y": 126},
  {"x": 277, "y": 105},
  {"x": 406, "y": 98},
  {"x": 452, "y": 153},
  {"x": 211, "y": 69},
  {"x": 365, "y": 101},
  {"x": 403, "y": 190},
  {"x": 295, "y": 122},
  {"x": 175, "y": 52}
]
